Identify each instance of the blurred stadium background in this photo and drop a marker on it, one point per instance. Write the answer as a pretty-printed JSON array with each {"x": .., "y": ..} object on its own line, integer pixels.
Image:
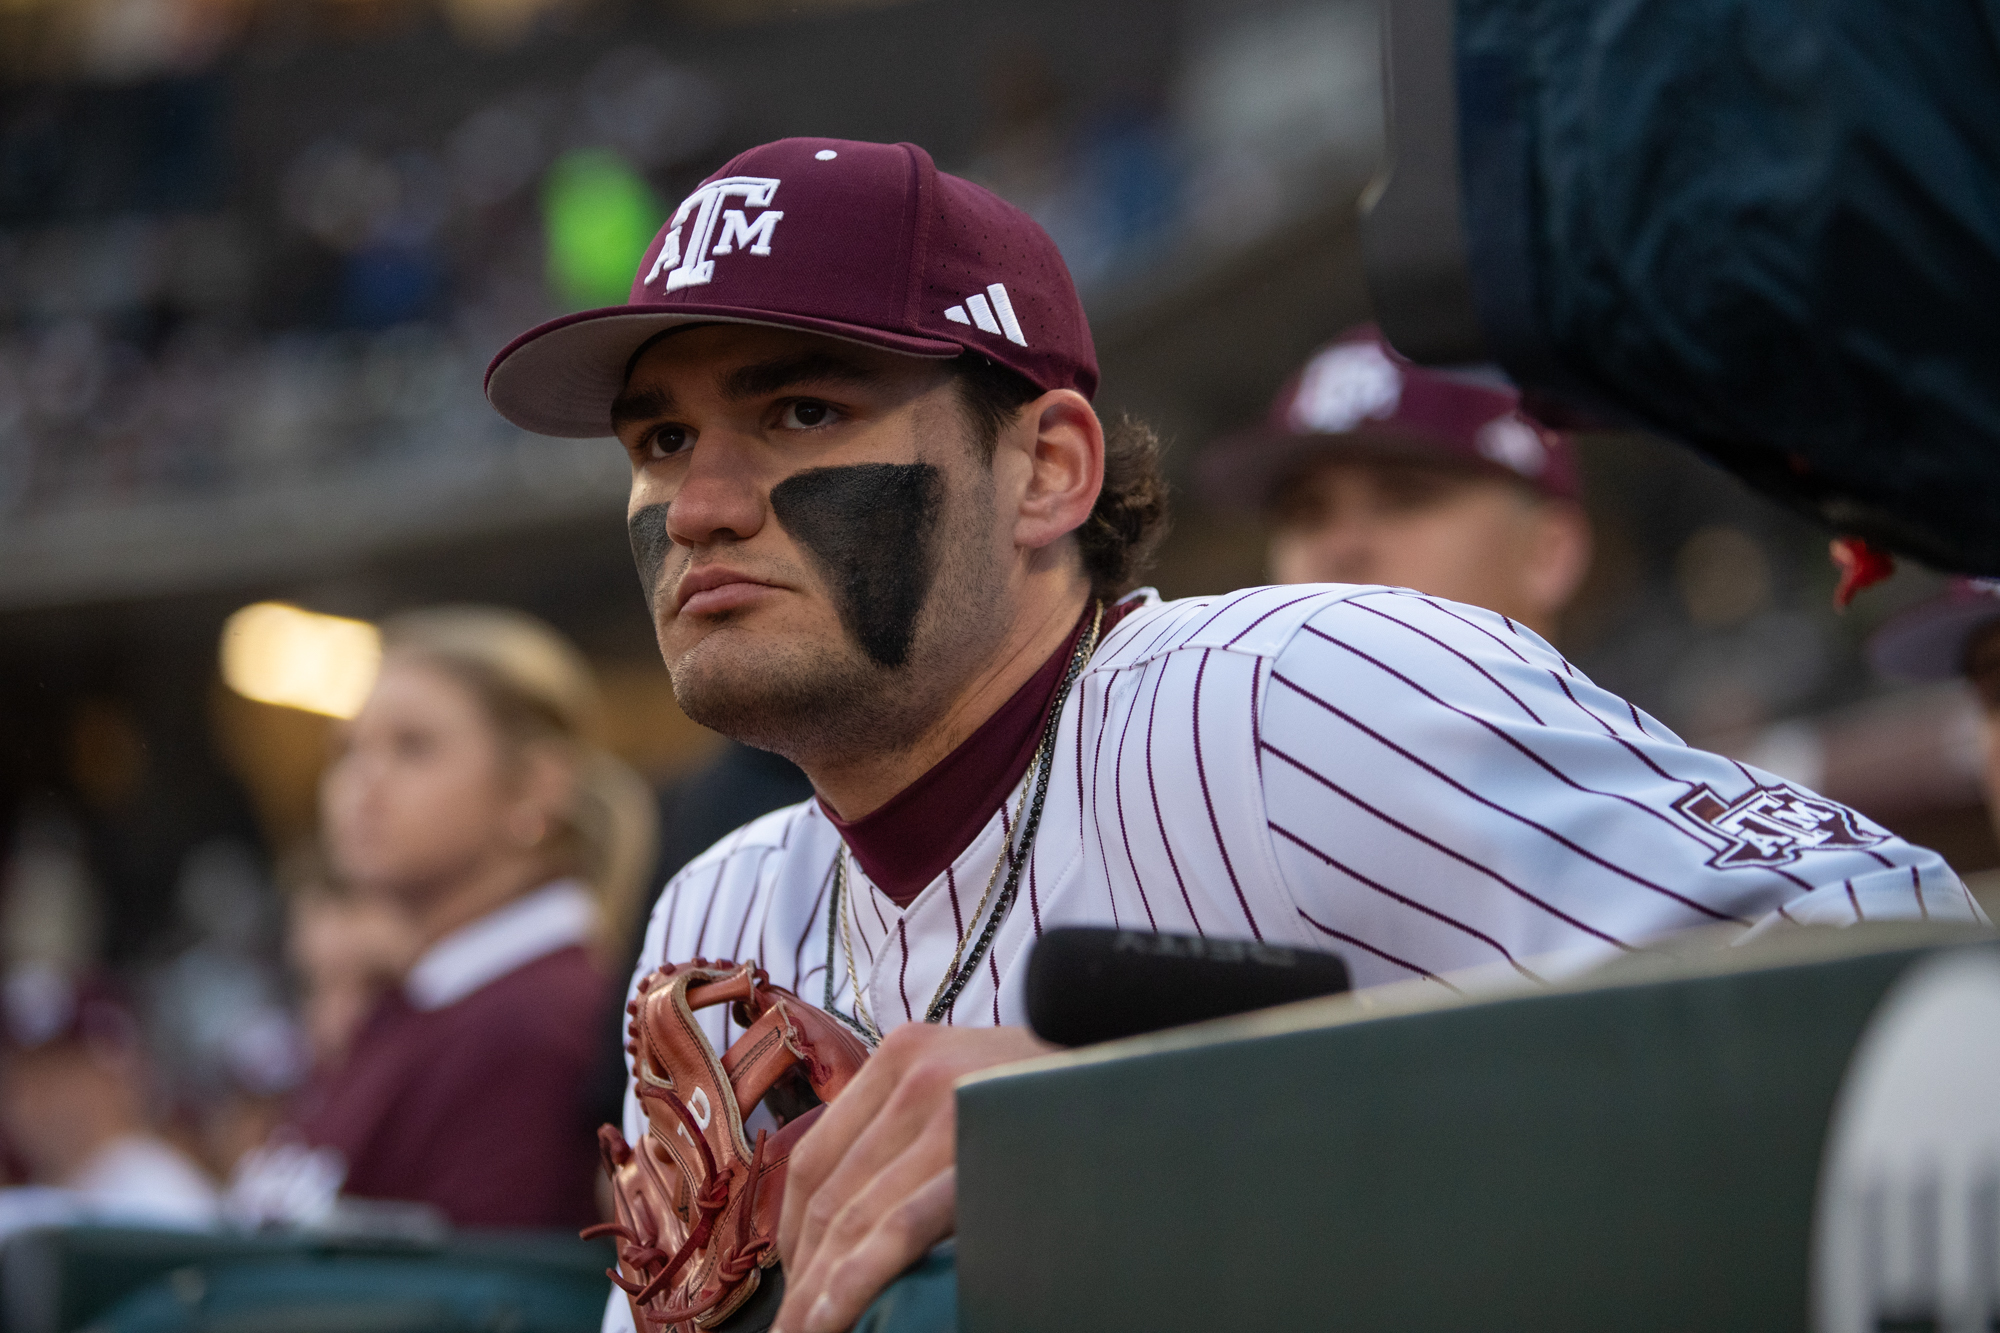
[{"x": 255, "y": 255}]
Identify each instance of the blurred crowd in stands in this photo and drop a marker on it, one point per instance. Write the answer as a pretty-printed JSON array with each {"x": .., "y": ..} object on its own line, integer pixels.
[
  {"x": 155, "y": 352},
  {"x": 175, "y": 320}
]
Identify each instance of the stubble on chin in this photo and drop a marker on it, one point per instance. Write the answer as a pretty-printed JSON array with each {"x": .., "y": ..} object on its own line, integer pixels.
[
  {"x": 794, "y": 696},
  {"x": 812, "y": 698}
]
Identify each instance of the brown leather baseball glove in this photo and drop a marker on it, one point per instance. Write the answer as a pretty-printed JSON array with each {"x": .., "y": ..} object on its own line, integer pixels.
[{"x": 697, "y": 1203}]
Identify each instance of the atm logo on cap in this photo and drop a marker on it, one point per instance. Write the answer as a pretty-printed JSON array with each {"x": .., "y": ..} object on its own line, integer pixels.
[
  {"x": 691, "y": 263},
  {"x": 1342, "y": 387}
]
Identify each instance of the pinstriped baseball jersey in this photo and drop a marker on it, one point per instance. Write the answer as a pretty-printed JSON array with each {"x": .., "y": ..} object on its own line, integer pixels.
[{"x": 1420, "y": 786}]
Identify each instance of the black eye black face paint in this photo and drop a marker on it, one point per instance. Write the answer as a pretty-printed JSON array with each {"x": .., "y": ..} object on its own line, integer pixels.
[
  {"x": 872, "y": 529},
  {"x": 650, "y": 545}
]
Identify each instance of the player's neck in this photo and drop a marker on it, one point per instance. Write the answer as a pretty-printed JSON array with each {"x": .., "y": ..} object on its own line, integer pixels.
[{"x": 859, "y": 786}]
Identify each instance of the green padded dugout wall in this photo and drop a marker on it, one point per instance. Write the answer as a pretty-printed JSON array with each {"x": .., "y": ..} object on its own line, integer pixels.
[{"x": 1640, "y": 1153}]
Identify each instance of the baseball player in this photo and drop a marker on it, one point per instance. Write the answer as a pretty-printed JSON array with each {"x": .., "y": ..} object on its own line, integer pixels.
[
  {"x": 883, "y": 533},
  {"x": 1371, "y": 469}
]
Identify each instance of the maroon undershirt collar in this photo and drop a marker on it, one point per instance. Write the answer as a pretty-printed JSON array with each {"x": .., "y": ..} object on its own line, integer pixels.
[{"x": 919, "y": 831}]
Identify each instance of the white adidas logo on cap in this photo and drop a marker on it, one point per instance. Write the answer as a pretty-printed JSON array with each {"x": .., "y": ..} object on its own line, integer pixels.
[{"x": 997, "y": 317}]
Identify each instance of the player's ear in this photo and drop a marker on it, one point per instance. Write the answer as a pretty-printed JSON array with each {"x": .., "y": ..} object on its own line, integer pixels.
[{"x": 1059, "y": 466}]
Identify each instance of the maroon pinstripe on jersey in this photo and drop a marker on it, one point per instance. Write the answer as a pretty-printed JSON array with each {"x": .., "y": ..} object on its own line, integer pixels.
[{"x": 1421, "y": 786}]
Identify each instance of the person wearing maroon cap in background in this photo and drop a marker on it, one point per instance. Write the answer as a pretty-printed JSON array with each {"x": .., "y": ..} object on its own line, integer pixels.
[
  {"x": 882, "y": 531},
  {"x": 1372, "y": 469},
  {"x": 1956, "y": 634}
]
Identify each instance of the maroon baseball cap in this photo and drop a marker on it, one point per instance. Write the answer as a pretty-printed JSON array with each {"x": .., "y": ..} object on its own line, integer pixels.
[
  {"x": 1360, "y": 398},
  {"x": 866, "y": 242},
  {"x": 1929, "y": 641}
]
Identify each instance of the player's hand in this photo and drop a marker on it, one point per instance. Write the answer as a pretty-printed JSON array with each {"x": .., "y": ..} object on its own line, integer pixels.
[{"x": 872, "y": 1185}]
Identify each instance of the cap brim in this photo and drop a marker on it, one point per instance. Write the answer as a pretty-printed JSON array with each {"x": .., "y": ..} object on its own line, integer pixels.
[
  {"x": 1928, "y": 641},
  {"x": 560, "y": 378}
]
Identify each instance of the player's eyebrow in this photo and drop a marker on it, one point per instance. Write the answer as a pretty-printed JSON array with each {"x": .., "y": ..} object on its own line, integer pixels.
[
  {"x": 775, "y": 376},
  {"x": 639, "y": 405}
]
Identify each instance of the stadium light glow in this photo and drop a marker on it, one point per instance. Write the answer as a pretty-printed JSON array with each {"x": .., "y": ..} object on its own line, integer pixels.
[{"x": 280, "y": 654}]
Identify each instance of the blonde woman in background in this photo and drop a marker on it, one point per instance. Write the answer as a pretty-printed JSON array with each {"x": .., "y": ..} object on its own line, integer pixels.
[{"x": 467, "y": 797}]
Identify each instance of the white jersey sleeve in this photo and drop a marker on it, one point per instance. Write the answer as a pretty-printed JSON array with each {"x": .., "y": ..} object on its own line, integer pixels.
[
  {"x": 617, "y": 1313},
  {"x": 1443, "y": 790}
]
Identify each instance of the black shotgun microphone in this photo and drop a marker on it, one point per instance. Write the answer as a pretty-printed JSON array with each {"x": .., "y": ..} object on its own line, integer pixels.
[{"x": 1090, "y": 983}]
